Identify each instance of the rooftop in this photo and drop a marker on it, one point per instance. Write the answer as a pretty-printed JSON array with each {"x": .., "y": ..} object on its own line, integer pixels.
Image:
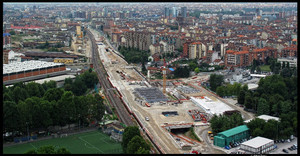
[
  {"x": 215, "y": 107},
  {"x": 27, "y": 65},
  {"x": 234, "y": 131},
  {"x": 257, "y": 142},
  {"x": 264, "y": 117}
]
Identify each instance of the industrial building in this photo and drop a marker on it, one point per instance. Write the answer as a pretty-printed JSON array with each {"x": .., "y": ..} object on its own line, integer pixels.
[
  {"x": 211, "y": 107},
  {"x": 151, "y": 95},
  {"x": 230, "y": 136},
  {"x": 258, "y": 145},
  {"x": 33, "y": 68}
]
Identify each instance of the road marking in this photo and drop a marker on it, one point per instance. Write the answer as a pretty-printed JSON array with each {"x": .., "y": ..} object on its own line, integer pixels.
[
  {"x": 33, "y": 146},
  {"x": 91, "y": 144}
]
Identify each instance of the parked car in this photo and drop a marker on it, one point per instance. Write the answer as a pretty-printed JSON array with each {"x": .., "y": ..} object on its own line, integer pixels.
[
  {"x": 285, "y": 151},
  {"x": 290, "y": 148}
]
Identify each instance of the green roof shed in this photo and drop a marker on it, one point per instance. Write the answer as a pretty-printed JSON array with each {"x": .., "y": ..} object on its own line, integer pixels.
[{"x": 234, "y": 131}]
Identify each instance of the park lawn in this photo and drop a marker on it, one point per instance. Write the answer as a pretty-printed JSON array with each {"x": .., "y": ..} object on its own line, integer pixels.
[
  {"x": 265, "y": 68},
  {"x": 85, "y": 143}
]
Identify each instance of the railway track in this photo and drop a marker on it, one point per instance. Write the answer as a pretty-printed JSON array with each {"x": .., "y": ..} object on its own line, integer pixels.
[
  {"x": 113, "y": 95},
  {"x": 111, "y": 92}
]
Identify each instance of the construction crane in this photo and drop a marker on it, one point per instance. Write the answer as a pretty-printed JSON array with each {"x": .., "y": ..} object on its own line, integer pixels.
[{"x": 164, "y": 77}]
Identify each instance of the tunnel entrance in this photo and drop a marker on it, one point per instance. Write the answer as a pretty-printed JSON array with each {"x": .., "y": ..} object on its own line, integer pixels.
[{"x": 180, "y": 130}]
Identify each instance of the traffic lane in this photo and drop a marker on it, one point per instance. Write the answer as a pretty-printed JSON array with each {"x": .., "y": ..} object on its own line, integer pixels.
[{"x": 286, "y": 145}]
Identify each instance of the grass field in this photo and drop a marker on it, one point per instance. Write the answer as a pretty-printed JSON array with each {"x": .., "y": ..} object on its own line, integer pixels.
[
  {"x": 86, "y": 143},
  {"x": 265, "y": 68}
]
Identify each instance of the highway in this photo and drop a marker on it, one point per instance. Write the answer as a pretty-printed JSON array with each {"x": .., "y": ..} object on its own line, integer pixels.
[{"x": 111, "y": 92}]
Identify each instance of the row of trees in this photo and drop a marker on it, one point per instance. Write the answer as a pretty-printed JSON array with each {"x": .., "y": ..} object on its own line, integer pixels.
[
  {"x": 223, "y": 122},
  {"x": 231, "y": 89},
  {"x": 48, "y": 149},
  {"x": 133, "y": 142},
  {"x": 38, "y": 106},
  {"x": 133, "y": 55}
]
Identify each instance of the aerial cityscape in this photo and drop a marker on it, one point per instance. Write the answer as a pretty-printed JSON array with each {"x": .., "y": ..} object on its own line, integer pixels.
[{"x": 150, "y": 78}]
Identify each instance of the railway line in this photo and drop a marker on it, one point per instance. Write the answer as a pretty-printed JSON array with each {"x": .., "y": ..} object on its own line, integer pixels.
[
  {"x": 114, "y": 96},
  {"x": 111, "y": 92}
]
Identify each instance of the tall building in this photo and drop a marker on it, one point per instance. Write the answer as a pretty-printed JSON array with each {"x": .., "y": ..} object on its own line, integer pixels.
[
  {"x": 105, "y": 10},
  {"x": 167, "y": 12},
  {"x": 174, "y": 12},
  {"x": 183, "y": 11}
]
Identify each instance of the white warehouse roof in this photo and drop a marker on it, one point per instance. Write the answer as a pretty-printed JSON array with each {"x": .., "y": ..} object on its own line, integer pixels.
[
  {"x": 264, "y": 117},
  {"x": 257, "y": 142},
  {"x": 27, "y": 65},
  {"x": 214, "y": 107}
]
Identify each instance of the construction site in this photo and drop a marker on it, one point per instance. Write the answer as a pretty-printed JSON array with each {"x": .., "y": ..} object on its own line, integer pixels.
[{"x": 162, "y": 108}]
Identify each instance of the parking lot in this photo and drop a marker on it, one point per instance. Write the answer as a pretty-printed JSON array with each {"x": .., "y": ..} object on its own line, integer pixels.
[{"x": 285, "y": 145}]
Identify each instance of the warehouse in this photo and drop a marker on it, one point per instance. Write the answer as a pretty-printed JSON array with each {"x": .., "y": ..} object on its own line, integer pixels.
[
  {"x": 258, "y": 145},
  {"x": 231, "y": 136},
  {"x": 211, "y": 107},
  {"x": 18, "y": 70}
]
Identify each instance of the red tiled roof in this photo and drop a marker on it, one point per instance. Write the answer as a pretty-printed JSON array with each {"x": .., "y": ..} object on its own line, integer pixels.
[
  {"x": 230, "y": 51},
  {"x": 152, "y": 68},
  {"x": 259, "y": 50},
  {"x": 241, "y": 52},
  {"x": 217, "y": 60},
  {"x": 26, "y": 27}
]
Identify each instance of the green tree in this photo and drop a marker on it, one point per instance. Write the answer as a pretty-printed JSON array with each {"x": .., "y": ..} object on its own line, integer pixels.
[
  {"x": 285, "y": 106},
  {"x": 248, "y": 100},
  {"x": 81, "y": 108},
  {"x": 257, "y": 132},
  {"x": 100, "y": 109},
  {"x": 197, "y": 70},
  {"x": 286, "y": 72},
  {"x": 89, "y": 78},
  {"x": 79, "y": 87},
  {"x": 135, "y": 144},
  {"x": 142, "y": 150},
  {"x": 12, "y": 32},
  {"x": 19, "y": 93},
  {"x": 48, "y": 149},
  {"x": 129, "y": 133},
  {"x": 270, "y": 129},
  {"x": 7, "y": 97},
  {"x": 192, "y": 66},
  {"x": 221, "y": 91},
  {"x": 68, "y": 81},
  {"x": 11, "y": 116},
  {"x": 263, "y": 107},
  {"x": 66, "y": 108},
  {"x": 215, "y": 81},
  {"x": 33, "y": 89},
  {"x": 241, "y": 97},
  {"x": 53, "y": 94},
  {"x": 49, "y": 84},
  {"x": 255, "y": 123}
]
